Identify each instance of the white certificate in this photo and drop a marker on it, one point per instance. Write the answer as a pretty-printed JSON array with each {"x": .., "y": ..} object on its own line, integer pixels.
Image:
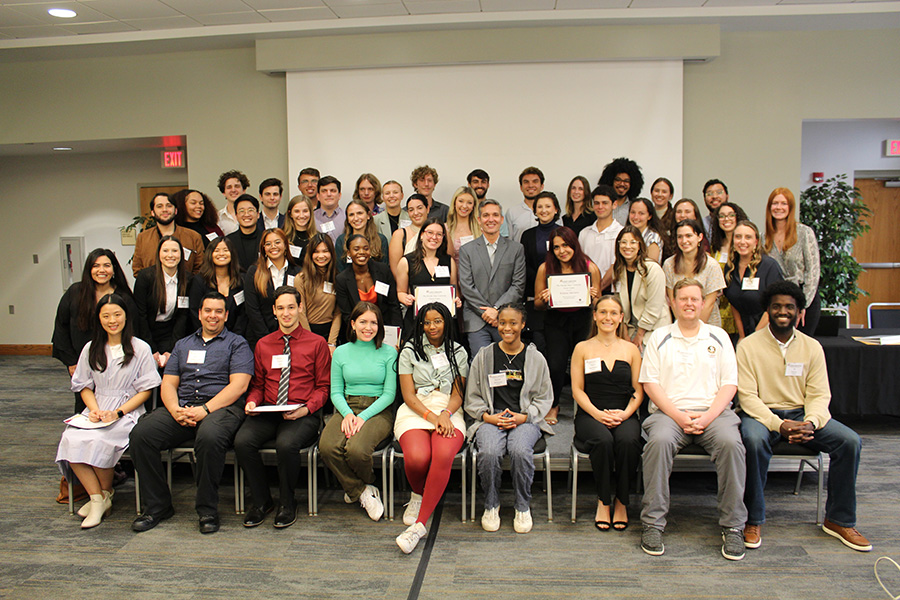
[
  {"x": 266, "y": 408},
  {"x": 569, "y": 291},
  {"x": 445, "y": 294},
  {"x": 82, "y": 422}
]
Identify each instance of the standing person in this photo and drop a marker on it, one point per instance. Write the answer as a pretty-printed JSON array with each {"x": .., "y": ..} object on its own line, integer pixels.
[
  {"x": 359, "y": 222},
  {"x": 308, "y": 183},
  {"x": 509, "y": 416},
  {"x": 424, "y": 179},
  {"x": 429, "y": 264},
  {"x": 114, "y": 376},
  {"x": 578, "y": 210},
  {"x": 520, "y": 217},
  {"x": 691, "y": 261},
  {"x": 690, "y": 375},
  {"x": 299, "y": 225},
  {"x": 75, "y": 323},
  {"x": 429, "y": 424},
  {"x": 564, "y": 328},
  {"x": 201, "y": 403},
  {"x": 599, "y": 240},
  {"x": 219, "y": 272},
  {"x": 291, "y": 366},
  {"x": 319, "y": 311},
  {"x": 685, "y": 209},
  {"x": 329, "y": 215},
  {"x": 363, "y": 387},
  {"x": 724, "y": 222},
  {"x": 163, "y": 212},
  {"x": 643, "y": 216},
  {"x": 368, "y": 190},
  {"x": 715, "y": 193},
  {"x": 536, "y": 243},
  {"x": 367, "y": 280},
  {"x": 480, "y": 182},
  {"x": 794, "y": 247},
  {"x": 783, "y": 387},
  {"x": 624, "y": 176},
  {"x": 161, "y": 295},
  {"x": 661, "y": 193},
  {"x": 232, "y": 184},
  {"x": 195, "y": 210},
  {"x": 394, "y": 216},
  {"x": 405, "y": 238},
  {"x": 274, "y": 268},
  {"x": 462, "y": 224},
  {"x": 605, "y": 373},
  {"x": 492, "y": 273},
  {"x": 748, "y": 274},
  {"x": 246, "y": 239},
  {"x": 640, "y": 285},
  {"x": 270, "y": 191}
]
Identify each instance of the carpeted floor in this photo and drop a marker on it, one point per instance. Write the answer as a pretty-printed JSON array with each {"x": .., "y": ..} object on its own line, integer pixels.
[{"x": 342, "y": 554}]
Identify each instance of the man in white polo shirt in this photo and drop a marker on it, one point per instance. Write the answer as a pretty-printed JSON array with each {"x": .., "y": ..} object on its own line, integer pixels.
[
  {"x": 599, "y": 240},
  {"x": 689, "y": 373}
]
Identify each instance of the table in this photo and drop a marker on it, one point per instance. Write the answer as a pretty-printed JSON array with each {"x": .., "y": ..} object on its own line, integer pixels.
[{"x": 864, "y": 380}]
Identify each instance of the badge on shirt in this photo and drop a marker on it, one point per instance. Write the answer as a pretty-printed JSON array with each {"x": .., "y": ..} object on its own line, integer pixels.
[
  {"x": 328, "y": 288},
  {"x": 280, "y": 361},
  {"x": 404, "y": 223},
  {"x": 295, "y": 250},
  {"x": 187, "y": 253},
  {"x": 750, "y": 283},
  {"x": 723, "y": 259},
  {"x": 548, "y": 246},
  {"x": 196, "y": 357},
  {"x": 440, "y": 360},
  {"x": 382, "y": 288},
  {"x": 182, "y": 302},
  {"x": 349, "y": 260},
  {"x": 326, "y": 227},
  {"x": 442, "y": 271},
  {"x": 289, "y": 280},
  {"x": 793, "y": 370},
  {"x": 497, "y": 380},
  {"x": 238, "y": 297},
  {"x": 592, "y": 365},
  {"x": 463, "y": 240},
  {"x": 212, "y": 236},
  {"x": 116, "y": 352},
  {"x": 684, "y": 357}
]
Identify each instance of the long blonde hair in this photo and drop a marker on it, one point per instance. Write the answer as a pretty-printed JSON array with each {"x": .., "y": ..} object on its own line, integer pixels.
[
  {"x": 622, "y": 330},
  {"x": 453, "y": 218},
  {"x": 790, "y": 234},
  {"x": 289, "y": 229},
  {"x": 370, "y": 232},
  {"x": 263, "y": 277},
  {"x": 734, "y": 259}
]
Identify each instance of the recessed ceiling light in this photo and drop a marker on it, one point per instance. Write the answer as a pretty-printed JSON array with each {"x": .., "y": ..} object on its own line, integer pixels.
[
  {"x": 62, "y": 148},
  {"x": 62, "y": 13}
]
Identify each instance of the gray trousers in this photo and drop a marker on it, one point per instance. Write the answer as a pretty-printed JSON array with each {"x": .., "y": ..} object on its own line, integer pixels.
[
  {"x": 722, "y": 440},
  {"x": 493, "y": 443}
]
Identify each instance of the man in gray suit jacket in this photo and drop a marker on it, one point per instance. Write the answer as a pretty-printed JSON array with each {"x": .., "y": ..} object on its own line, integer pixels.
[{"x": 491, "y": 273}]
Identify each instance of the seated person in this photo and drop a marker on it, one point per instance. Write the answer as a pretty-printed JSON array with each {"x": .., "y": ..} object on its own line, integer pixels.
[
  {"x": 205, "y": 377},
  {"x": 292, "y": 366},
  {"x": 784, "y": 393},
  {"x": 690, "y": 375},
  {"x": 509, "y": 394}
]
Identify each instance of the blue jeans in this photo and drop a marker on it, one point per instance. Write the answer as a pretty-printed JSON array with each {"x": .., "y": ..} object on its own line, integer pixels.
[
  {"x": 840, "y": 442},
  {"x": 493, "y": 443},
  {"x": 481, "y": 338}
]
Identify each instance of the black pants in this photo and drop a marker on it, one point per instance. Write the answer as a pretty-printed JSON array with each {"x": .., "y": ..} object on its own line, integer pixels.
[
  {"x": 157, "y": 431},
  {"x": 562, "y": 331},
  {"x": 813, "y": 312},
  {"x": 290, "y": 437},
  {"x": 615, "y": 455}
]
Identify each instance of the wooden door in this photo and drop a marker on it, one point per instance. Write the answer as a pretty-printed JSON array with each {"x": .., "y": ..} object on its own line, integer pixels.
[
  {"x": 879, "y": 248},
  {"x": 146, "y": 193}
]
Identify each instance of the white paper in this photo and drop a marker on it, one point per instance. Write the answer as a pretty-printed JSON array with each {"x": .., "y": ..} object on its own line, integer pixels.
[
  {"x": 295, "y": 250},
  {"x": 497, "y": 379},
  {"x": 182, "y": 302},
  {"x": 793, "y": 370},
  {"x": 196, "y": 357},
  {"x": 382, "y": 288},
  {"x": 267, "y": 408},
  {"x": 289, "y": 280},
  {"x": 280, "y": 361},
  {"x": 82, "y": 422},
  {"x": 212, "y": 236},
  {"x": 750, "y": 283},
  {"x": 328, "y": 288},
  {"x": 465, "y": 239},
  {"x": 392, "y": 335},
  {"x": 442, "y": 271},
  {"x": 569, "y": 291},
  {"x": 404, "y": 223},
  {"x": 327, "y": 227},
  {"x": 187, "y": 253},
  {"x": 440, "y": 360},
  {"x": 239, "y": 297},
  {"x": 592, "y": 365},
  {"x": 444, "y": 294}
]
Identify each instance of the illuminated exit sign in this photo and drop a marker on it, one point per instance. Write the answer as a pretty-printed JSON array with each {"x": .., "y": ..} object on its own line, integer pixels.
[
  {"x": 173, "y": 159},
  {"x": 892, "y": 147}
]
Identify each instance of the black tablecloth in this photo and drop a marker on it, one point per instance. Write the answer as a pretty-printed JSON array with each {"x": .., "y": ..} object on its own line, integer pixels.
[{"x": 865, "y": 380}]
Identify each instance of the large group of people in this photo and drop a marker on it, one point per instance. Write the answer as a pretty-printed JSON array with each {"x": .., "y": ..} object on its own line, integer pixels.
[{"x": 433, "y": 324}]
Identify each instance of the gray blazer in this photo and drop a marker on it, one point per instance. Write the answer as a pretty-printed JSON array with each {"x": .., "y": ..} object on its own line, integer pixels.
[{"x": 483, "y": 285}]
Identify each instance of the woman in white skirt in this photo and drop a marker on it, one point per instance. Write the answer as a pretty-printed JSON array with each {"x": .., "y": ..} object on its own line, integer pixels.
[{"x": 115, "y": 374}]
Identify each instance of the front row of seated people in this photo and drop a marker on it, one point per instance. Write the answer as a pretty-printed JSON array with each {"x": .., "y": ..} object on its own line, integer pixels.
[{"x": 688, "y": 371}]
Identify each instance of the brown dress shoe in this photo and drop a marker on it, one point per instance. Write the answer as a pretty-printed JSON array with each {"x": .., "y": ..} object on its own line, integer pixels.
[
  {"x": 753, "y": 536},
  {"x": 848, "y": 535}
]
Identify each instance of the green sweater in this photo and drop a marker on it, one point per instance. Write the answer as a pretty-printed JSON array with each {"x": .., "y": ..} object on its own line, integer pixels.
[{"x": 358, "y": 369}]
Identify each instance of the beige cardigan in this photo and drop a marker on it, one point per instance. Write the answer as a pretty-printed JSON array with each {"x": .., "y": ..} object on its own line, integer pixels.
[{"x": 648, "y": 298}]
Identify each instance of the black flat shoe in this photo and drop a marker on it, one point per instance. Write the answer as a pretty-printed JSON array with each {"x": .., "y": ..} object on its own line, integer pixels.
[
  {"x": 146, "y": 521},
  {"x": 257, "y": 515},
  {"x": 286, "y": 517},
  {"x": 602, "y": 525},
  {"x": 209, "y": 523}
]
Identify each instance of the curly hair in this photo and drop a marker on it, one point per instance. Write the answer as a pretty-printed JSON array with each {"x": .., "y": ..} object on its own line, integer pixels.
[
  {"x": 630, "y": 168},
  {"x": 415, "y": 340},
  {"x": 420, "y": 173},
  {"x": 718, "y": 235},
  {"x": 224, "y": 177}
]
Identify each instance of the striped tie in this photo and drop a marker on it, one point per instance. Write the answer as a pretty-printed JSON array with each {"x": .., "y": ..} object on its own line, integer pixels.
[{"x": 285, "y": 373}]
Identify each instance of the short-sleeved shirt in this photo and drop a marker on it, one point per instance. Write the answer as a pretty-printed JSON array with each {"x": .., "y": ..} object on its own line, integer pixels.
[
  {"x": 204, "y": 367},
  {"x": 690, "y": 370},
  {"x": 507, "y": 396},
  {"x": 427, "y": 378},
  {"x": 710, "y": 277},
  {"x": 600, "y": 246}
]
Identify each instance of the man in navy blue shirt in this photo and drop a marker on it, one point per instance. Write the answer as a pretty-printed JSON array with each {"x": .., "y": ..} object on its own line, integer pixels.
[{"x": 207, "y": 374}]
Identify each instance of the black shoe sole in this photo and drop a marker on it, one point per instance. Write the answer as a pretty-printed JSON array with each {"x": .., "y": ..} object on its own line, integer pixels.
[{"x": 156, "y": 521}]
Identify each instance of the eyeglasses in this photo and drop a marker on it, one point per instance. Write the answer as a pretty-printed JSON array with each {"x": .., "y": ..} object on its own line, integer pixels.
[
  {"x": 245, "y": 211},
  {"x": 728, "y": 217},
  {"x": 433, "y": 234},
  {"x": 621, "y": 180},
  {"x": 714, "y": 193},
  {"x": 435, "y": 322}
]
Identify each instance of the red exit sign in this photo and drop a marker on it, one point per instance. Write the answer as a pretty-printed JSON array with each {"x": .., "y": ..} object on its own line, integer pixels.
[
  {"x": 173, "y": 159},
  {"x": 892, "y": 147}
]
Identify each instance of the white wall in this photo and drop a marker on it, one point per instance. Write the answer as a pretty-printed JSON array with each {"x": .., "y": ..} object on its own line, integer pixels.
[{"x": 840, "y": 146}]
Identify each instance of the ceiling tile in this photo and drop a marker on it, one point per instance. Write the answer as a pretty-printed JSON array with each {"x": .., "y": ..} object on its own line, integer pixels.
[
  {"x": 206, "y": 7},
  {"x": 4, "y": 36},
  {"x": 9, "y": 17},
  {"x": 238, "y": 18},
  {"x": 283, "y": 4},
  {"x": 298, "y": 14},
  {"x": 102, "y": 27},
  {"x": 509, "y": 5},
  {"x": 370, "y": 10},
  {"x": 84, "y": 14},
  {"x": 582, "y": 4},
  {"x": 35, "y": 32},
  {"x": 723, "y": 3},
  {"x": 666, "y": 3},
  {"x": 179, "y": 22},
  {"x": 133, "y": 9},
  {"x": 425, "y": 7},
  {"x": 813, "y": 2}
]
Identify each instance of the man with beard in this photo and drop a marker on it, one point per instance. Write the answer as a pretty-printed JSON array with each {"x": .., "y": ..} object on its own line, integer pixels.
[
  {"x": 784, "y": 393},
  {"x": 624, "y": 176},
  {"x": 715, "y": 193},
  {"x": 145, "y": 248},
  {"x": 479, "y": 181},
  {"x": 521, "y": 216}
]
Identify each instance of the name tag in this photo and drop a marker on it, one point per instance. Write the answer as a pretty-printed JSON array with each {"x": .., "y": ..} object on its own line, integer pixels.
[
  {"x": 295, "y": 250},
  {"x": 723, "y": 258},
  {"x": 328, "y": 288},
  {"x": 382, "y": 288},
  {"x": 439, "y": 361},
  {"x": 280, "y": 361},
  {"x": 212, "y": 236},
  {"x": 116, "y": 352},
  {"x": 326, "y": 227},
  {"x": 196, "y": 357},
  {"x": 442, "y": 271},
  {"x": 548, "y": 245},
  {"x": 793, "y": 370},
  {"x": 182, "y": 302},
  {"x": 592, "y": 365},
  {"x": 289, "y": 280},
  {"x": 239, "y": 297},
  {"x": 750, "y": 283},
  {"x": 684, "y": 357},
  {"x": 465, "y": 239},
  {"x": 349, "y": 260},
  {"x": 404, "y": 223},
  {"x": 187, "y": 253},
  {"x": 497, "y": 380}
]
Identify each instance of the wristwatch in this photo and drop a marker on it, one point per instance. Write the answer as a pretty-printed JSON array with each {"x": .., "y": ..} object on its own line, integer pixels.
[{"x": 119, "y": 414}]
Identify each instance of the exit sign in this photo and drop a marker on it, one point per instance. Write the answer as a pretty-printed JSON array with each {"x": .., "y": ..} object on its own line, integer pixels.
[
  {"x": 173, "y": 159},
  {"x": 892, "y": 147}
]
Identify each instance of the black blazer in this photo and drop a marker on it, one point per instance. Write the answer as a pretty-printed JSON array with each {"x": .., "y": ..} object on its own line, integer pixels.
[
  {"x": 533, "y": 259},
  {"x": 161, "y": 335},
  {"x": 237, "y": 315},
  {"x": 348, "y": 294},
  {"x": 260, "y": 318}
]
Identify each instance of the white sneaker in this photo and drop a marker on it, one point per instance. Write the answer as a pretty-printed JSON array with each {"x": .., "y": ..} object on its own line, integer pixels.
[
  {"x": 522, "y": 523},
  {"x": 412, "y": 509},
  {"x": 490, "y": 520},
  {"x": 370, "y": 500},
  {"x": 410, "y": 538}
]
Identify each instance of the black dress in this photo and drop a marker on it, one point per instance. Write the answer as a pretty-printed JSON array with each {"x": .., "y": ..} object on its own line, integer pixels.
[
  {"x": 615, "y": 453},
  {"x": 422, "y": 277},
  {"x": 749, "y": 302}
]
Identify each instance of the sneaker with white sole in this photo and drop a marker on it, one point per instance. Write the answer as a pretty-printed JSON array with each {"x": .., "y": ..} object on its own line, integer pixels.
[
  {"x": 490, "y": 520},
  {"x": 412, "y": 509},
  {"x": 733, "y": 543},
  {"x": 651, "y": 541},
  {"x": 370, "y": 500},
  {"x": 522, "y": 522},
  {"x": 410, "y": 538},
  {"x": 347, "y": 499}
]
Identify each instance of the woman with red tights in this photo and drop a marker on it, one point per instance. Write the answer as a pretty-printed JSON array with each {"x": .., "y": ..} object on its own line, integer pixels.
[{"x": 429, "y": 425}]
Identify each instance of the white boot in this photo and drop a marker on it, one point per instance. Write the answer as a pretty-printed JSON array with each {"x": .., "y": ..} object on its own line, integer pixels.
[
  {"x": 95, "y": 514},
  {"x": 107, "y": 499}
]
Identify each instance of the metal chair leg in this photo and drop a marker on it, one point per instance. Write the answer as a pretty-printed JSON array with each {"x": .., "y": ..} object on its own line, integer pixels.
[{"x": 573, "y": 473}]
